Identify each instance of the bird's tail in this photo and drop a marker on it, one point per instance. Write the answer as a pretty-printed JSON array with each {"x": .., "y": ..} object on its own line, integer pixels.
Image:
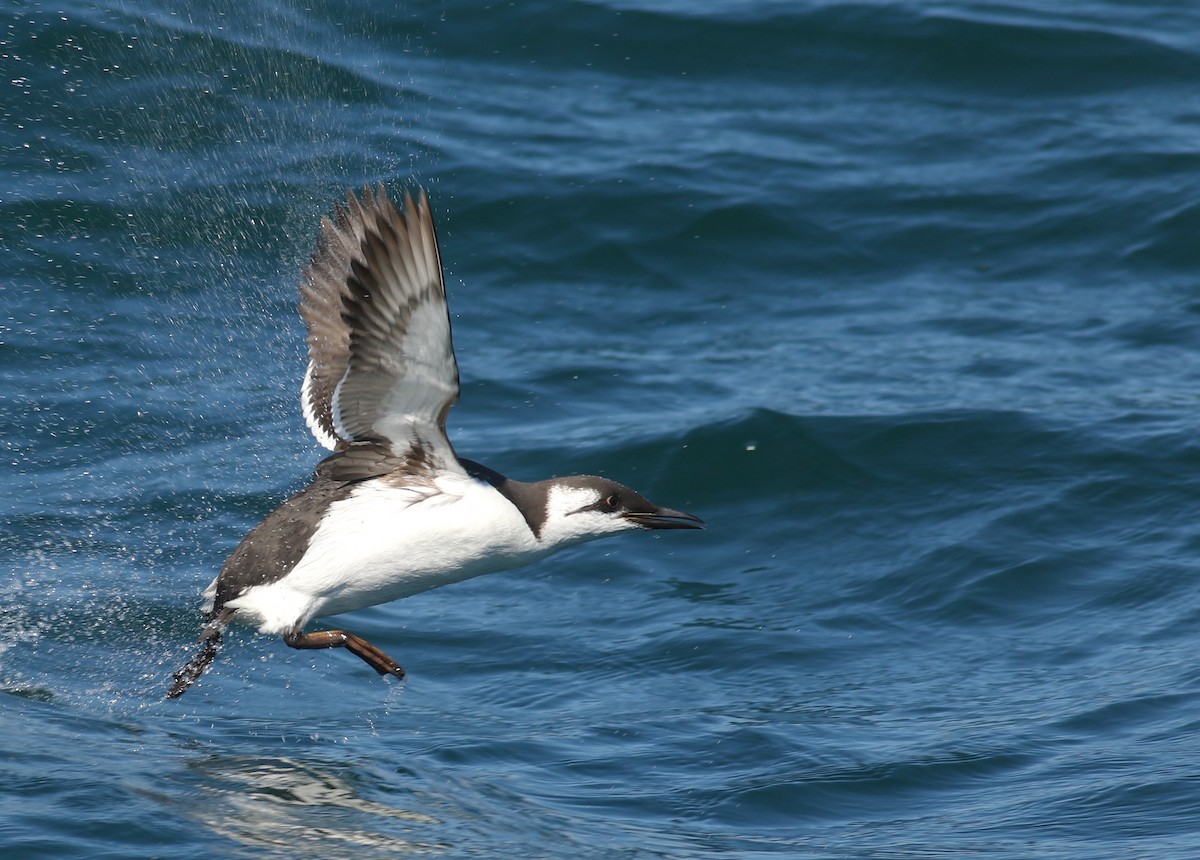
[{"x": 210, "y": 638}]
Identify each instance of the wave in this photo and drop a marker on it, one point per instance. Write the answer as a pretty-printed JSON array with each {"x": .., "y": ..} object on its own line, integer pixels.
[
  {"x": 959, "y": 518},
  {"x": 1014, "y": 50}
]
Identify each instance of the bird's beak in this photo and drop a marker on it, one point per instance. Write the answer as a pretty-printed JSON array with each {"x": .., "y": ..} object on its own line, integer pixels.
[{"x": 664, "y": 518}]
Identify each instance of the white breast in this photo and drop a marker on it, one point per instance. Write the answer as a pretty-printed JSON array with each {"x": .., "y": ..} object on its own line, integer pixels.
[{"x": 383, "y": 543}]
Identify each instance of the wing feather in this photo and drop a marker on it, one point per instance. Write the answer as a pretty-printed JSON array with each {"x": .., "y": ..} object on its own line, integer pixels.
[{"x": 381, "y": 358}]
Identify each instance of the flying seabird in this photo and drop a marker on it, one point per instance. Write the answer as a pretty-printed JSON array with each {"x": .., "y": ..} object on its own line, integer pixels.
[{"x": 394, "y": 511}]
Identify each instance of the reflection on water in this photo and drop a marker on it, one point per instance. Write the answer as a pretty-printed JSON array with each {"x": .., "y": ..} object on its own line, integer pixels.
[{"x": 283, "y": 803}]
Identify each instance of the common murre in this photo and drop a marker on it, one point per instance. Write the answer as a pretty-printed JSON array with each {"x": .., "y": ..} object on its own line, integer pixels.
[{"x": 393, "y": 511}]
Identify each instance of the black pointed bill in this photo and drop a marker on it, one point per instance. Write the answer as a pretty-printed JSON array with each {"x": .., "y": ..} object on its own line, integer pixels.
[{"x": 664, "y": 518}]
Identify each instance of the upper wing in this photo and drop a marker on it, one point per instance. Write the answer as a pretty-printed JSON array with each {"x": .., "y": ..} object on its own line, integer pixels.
[{"x": 381, "y": 361}]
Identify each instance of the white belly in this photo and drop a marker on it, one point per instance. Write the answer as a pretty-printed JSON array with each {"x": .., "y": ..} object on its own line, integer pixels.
[{"x": 381, "y": 544}]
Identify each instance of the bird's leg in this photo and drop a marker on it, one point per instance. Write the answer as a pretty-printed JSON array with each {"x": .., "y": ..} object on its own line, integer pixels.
[
  {"x": 195, "y": 667},
  {"x": 210, "y": 635},
  {"x": 372, "y": 656}
]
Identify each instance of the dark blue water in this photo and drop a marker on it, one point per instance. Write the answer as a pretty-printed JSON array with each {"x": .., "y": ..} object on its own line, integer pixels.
[{"x": 903, "y": 299}]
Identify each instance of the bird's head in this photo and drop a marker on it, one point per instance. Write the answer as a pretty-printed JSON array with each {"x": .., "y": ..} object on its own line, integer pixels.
[{"x": 584, "y": 508}]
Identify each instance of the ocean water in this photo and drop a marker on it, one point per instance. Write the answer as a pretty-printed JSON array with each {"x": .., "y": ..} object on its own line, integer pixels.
[{"x": 902, "y": 298}]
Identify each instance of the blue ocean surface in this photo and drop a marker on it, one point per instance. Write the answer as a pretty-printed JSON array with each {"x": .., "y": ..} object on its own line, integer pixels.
[{"x": 902, "y": 298}]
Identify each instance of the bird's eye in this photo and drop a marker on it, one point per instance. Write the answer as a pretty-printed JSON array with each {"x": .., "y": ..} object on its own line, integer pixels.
[{"x": 612, "y": 502}]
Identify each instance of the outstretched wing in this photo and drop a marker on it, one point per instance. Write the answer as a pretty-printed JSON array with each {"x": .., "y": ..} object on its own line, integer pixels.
[{"x": 381, "y": 360}]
